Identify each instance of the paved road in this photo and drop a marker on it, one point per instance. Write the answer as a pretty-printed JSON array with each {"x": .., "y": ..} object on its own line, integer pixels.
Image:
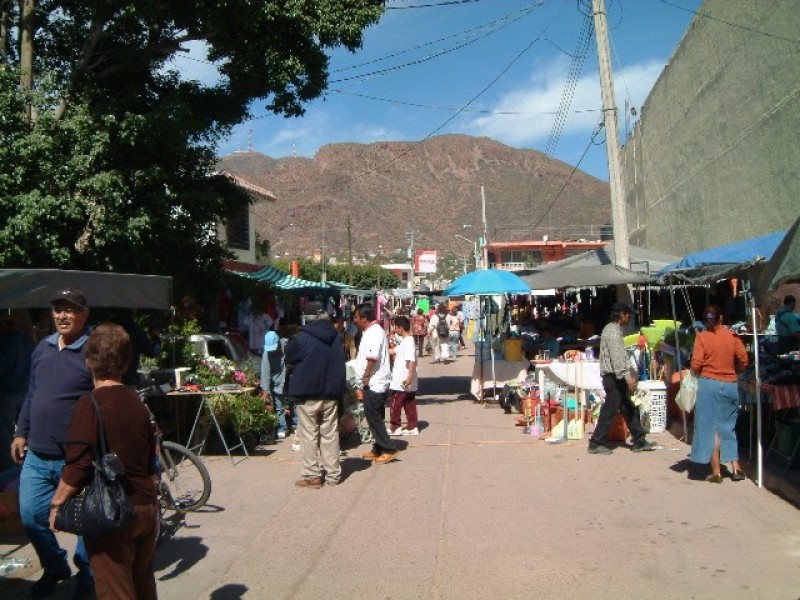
[{"x": 475, "y": 509}]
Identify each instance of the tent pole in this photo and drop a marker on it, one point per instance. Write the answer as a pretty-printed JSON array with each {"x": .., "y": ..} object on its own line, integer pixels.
[
  {"x": 760, "y": 455},
  {"x": 678, "y": 355}
]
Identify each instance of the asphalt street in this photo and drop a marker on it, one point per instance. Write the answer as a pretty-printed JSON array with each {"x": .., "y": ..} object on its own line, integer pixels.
[{"x": 474, "y": 508}]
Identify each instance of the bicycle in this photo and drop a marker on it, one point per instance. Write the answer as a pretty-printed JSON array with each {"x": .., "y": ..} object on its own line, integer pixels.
[{"x": 184, "y": 484}]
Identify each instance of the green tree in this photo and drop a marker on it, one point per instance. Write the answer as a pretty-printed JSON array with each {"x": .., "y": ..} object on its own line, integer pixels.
[{"x": 107, "y": 156}]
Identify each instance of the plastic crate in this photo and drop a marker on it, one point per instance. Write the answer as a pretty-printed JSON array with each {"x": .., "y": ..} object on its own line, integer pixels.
[{"x": 654, "y": 405}]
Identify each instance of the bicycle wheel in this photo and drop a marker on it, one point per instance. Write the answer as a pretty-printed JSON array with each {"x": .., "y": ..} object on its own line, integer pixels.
[{"x": 185, "y": 483}]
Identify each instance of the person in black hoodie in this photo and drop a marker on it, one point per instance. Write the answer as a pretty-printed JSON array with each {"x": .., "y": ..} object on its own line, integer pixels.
[{"x": 316, "y": 358}]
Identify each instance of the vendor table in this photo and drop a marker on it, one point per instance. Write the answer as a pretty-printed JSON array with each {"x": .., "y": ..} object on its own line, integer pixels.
[
  {"x": 565, "y": 373},
  {"x": 205, "y": 406},
  {"x": 504, "y": 371},
  {"x": 780, "y": 396}
]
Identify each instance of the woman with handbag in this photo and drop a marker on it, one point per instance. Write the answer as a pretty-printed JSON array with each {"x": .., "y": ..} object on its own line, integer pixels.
[
  {"x": 121, "y": 559},
  {"x": 717, "y": 356}
]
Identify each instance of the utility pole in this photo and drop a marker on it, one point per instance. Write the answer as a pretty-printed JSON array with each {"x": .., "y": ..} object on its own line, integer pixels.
[
  {"x": 324, "y": 277},
  {"x": 349, "y": 252},
  {"x": 484, "y": 251},
  {"x": 618, "y": 213}
]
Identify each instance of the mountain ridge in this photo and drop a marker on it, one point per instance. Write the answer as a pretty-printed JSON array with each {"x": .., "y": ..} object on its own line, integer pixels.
[{"x": 432, "y": 187}]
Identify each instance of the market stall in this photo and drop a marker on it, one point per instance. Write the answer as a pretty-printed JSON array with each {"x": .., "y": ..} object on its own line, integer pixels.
[{"x": 486, "y": 283}]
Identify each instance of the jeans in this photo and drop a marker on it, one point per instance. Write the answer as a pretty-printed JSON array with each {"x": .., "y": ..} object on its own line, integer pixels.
[
  {"x": 37, "y": 486},
  {"x": 454, "y": 341},
  {"x": 374, "y": 410},
  {"x": 279, "y": 402}
]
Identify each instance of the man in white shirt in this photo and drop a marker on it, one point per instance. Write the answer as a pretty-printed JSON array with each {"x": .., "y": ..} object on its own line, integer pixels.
[
  {"x": 403, "y": 387},
  {"x": 373, "y": 371}
]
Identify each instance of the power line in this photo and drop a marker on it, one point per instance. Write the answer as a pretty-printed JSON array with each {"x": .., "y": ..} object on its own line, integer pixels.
[
  {"x": 434, "y": 5},
  {"x": 706, "y": 15},
  {"x": 596, "y": 131},
  {"x": 443, "y": 52},
  {"x": 515, "y": 15},
  {"x": 448, "y": 108}
]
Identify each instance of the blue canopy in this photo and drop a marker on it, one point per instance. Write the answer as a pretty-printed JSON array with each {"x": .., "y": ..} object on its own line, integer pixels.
[
  {"x": 486, "y": 282},
  {"x": 722, "y": 261}
]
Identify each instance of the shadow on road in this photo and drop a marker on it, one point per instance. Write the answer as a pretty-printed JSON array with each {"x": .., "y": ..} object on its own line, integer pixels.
[
  {"x": 181, "y": 554},
  {"x": 229, "y": 591}
]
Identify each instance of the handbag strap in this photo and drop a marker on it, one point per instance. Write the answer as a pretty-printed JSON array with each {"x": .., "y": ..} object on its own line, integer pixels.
[{"x": 100, "y": 429}]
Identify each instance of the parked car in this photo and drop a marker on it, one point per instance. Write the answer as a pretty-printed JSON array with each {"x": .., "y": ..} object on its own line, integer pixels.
[{"x": 219, "y": 345}]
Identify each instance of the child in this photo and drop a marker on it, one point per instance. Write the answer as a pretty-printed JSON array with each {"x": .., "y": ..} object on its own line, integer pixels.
[{"x": 403, "y": 387}]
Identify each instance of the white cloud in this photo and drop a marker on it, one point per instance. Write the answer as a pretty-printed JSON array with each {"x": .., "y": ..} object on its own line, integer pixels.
[{"x": 541, "y": 96}]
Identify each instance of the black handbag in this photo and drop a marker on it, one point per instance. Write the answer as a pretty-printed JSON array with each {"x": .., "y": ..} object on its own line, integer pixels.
[{"x": 102, "y": 506}]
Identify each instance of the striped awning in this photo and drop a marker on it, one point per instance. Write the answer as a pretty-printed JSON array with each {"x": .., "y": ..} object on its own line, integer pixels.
[{"x": 282, "y": 280}]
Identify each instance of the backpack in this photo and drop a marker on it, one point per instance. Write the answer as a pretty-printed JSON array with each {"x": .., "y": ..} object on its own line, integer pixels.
[{"x": 442, "y": 328}]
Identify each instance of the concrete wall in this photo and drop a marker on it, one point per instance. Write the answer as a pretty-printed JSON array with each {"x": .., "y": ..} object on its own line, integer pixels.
[{"x": 715, "y": 156}]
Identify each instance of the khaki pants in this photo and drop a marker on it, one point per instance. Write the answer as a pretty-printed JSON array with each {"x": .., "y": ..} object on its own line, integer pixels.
[{"x": 318, "y": 430}]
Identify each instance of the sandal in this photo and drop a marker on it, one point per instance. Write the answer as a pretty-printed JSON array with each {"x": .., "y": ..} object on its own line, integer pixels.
[
  {"x": 714, "y": 478},
  {"x": 737, "y": 475}
]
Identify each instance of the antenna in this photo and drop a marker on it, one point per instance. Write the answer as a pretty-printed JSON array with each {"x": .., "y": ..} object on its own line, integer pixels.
[{"x": 250, "y": 141}]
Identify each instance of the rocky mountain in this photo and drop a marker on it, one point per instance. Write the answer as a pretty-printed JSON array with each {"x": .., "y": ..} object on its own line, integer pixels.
[{"x": 387, "y": 189}]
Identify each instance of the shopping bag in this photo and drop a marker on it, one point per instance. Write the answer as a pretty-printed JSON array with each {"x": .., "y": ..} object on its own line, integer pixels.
[
  {"x": 688, "y": 393},
  {"x": 445, "y": 351}
]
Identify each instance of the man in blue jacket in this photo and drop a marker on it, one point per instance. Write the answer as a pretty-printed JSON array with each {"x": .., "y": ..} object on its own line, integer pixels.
[
  {"x": 315, "y": 357},
  {"x": 59, "y": 377}
]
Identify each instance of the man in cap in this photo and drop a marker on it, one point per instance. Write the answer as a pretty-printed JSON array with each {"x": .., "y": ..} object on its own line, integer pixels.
[
  {"x": 618, "y": 385},
  {"x": 59, "y": 377}
]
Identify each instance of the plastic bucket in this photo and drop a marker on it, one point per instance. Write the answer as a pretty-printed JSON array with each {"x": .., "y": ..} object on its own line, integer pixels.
[{"x": 513, "y": 349}]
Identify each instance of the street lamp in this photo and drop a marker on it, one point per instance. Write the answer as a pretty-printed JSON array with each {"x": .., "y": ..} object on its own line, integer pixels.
[{"x": 474, "y": 248}]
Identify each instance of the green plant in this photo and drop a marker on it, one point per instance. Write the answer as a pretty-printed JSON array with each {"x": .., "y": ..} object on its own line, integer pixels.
[
  {"x": 244, "y": 413},
  {"x": 176, "y": 350}
]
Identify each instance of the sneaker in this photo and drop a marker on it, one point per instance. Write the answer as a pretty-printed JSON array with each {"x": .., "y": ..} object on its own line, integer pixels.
[
  {"x": 644, "y": 446},
  {"x": 310, "y": 482},
  {"x": 281, "y": 435},
  {"x": 593, "y": 449},
  {"x": 386, "y": 457},
  {"x": 414, "y": 431},
  {"x": 48, "y": 582},
  {"x": 371, "y": 455},
  {"x": 398, "y": 431}
]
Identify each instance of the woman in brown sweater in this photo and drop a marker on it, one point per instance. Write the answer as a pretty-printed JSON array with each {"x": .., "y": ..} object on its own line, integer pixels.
[
  {"x": 122, "y": 561},
  {"x": 717, "y": 356}
]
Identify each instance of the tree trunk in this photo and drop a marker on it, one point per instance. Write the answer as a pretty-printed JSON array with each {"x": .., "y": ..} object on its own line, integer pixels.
[{"x": 26, "y": 52}]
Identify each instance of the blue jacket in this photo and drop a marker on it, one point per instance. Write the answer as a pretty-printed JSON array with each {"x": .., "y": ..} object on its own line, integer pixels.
[
  {"x": 58, "y": 379},
  {"x": 316, "y": 358}
]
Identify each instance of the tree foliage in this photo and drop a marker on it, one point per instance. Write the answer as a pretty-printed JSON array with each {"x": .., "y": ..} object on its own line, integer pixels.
[{"x": 115, "y": 169}]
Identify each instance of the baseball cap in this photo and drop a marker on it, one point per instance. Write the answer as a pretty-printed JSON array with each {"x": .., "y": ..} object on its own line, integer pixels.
[
  {"x": 71, "y": 296},
  {"x": 622, "y": 307},
  {"x": 270, "y": 341}
]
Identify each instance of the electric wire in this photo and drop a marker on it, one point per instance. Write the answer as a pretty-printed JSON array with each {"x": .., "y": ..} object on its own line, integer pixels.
[
  {"x": 591, "y": 143},
  {"x": 512, "y": 15},
  {"x": 438, "y": 54},
  {"x": 706, "y": 15},
  {"x": 576, "y": 66},
  {"x": 433, "y": 5},
  {"x": 450, "y": 108}
]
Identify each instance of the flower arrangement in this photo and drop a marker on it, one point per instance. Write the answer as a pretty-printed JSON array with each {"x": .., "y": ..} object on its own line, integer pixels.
[{"x": 212, "y": 371}]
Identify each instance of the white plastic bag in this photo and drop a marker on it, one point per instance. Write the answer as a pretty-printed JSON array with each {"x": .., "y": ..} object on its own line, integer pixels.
[{"x": 688, "y": 393}]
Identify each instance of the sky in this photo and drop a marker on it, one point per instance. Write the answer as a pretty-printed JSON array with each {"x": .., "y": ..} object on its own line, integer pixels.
[{"x": 509, "y": 70}]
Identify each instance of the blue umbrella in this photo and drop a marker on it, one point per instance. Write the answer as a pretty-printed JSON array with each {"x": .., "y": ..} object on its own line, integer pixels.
[{"x": 486, "y": 282}]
